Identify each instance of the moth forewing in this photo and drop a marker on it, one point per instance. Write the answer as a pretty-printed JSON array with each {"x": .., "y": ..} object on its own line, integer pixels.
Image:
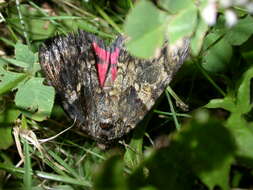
[{"x": 108, "y": 100}]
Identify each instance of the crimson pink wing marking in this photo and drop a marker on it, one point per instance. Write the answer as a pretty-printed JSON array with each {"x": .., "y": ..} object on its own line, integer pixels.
[
  {"x": 102, "y": 64},
  {"x": 106, "y": 58},
  {"x": 114, "y": 59}
]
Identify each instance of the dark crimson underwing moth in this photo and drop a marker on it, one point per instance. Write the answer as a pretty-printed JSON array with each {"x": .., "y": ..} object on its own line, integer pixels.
[{"x": 103, "y": 88}]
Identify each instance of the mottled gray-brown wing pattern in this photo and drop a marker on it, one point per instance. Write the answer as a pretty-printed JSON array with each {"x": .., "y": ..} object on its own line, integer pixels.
[
  {"x": 142, "y": 81},
  {"x": 64, "y": 59},
  {"x": 107, "y": 112}
]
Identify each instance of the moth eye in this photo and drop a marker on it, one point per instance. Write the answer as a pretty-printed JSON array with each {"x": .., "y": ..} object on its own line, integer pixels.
[{"x": 105, "y": 125}]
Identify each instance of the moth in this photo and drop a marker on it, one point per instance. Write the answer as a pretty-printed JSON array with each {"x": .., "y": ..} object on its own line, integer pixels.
[{"x": 105, "y": 89}]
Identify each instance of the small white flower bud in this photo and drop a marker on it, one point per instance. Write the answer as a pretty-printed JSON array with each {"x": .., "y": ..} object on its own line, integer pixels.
[
  {"x": 225, "y": 3},
  {"x": 241, "y": 2},
  {"x": 231, "y": 18},
  {"x": 209, "y": 13},
  {"x": 250, "y": 7}
]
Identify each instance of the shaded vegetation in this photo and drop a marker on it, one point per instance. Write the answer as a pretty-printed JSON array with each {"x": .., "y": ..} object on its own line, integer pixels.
[{"x": 208, "y": 146}]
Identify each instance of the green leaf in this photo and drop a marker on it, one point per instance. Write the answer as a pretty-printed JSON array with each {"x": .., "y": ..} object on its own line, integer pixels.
[
  {"x": 227, "y": 103},
  {"x": 241, "y": 32},
  {"x": 217, "y": 57},
  {"x": 211, "y": 39},
  {"x": 197, "y": 39},
  {"x": 219, "y": 176},
  {"x": 244, "y": 103},
  {"x": 36, "y": 66},
  {"x": 25, "y": 55},
  {"x": 24, "y": 58},
  {"x": 35, "y": 99},
  {"x": 243, "y": 135},
  {"x": 110, "y": 176},
  {"x": 174, "y": 6},
  {"x": 8, "y": 117},
  {"x": 134, "y": 153},
  {"x": 6, "y": 137},
  {"x": 145, "y": 26},
  {"x": 203, "y": 149},
  {"x": 16, "y": 62},
  {"x": 182, "y": 24},
  {"x": 210, "y": 149},
  {"x": 9, "y": 80},
  {"x": 241, "y": 129}
]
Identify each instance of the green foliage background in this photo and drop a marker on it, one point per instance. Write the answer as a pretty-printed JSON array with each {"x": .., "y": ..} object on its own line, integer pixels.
[{"x": 209, "y": 146}]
